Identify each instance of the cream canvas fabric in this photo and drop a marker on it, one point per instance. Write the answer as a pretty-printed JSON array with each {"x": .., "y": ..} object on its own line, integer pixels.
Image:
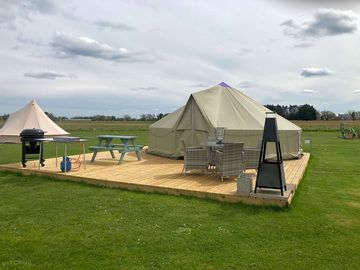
[
  {"x": 31, "y": 116},
  {"x": 219, "y": 106}
]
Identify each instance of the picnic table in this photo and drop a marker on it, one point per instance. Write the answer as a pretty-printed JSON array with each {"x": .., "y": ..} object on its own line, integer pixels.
[{"x": 126, "y": 144}]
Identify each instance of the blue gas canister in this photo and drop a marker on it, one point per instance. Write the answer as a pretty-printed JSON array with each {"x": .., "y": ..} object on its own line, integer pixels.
[{"x": 68, "y": 164}]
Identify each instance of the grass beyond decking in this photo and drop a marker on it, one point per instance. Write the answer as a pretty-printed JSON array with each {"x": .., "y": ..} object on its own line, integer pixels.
[{"x": 50, "y": 224}]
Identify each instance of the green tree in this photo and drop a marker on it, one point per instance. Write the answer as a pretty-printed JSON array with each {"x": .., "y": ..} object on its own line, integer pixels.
[
  {"x": 127, "y": 117},
  {"x": 159, "y": 116},
  {"x": 327, "y": 115},
  {"x": 306, "y": 112}
]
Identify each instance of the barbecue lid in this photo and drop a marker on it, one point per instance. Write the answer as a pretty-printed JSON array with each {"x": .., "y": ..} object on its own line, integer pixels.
[{"x": 32, "y": 132}]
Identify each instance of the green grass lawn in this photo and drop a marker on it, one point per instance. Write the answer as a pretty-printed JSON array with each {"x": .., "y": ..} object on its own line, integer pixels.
[{"x": 52, "y": 224}]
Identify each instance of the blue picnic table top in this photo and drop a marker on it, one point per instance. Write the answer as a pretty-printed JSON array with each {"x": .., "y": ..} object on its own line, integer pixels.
[{"x": 121, "y": 137}]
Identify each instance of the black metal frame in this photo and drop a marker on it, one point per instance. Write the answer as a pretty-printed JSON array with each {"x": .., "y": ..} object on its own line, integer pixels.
[{"x": 33, "y": 147}]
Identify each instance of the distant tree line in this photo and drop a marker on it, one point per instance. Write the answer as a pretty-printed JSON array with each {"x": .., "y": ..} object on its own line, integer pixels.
[
  {"x": 308, "y": 112},
  {"x": 295, "y": 112},
  {"x": 99, "y": 117},
  {"x": 350, "y": 115},
  {"x": 56, "y": 118}
]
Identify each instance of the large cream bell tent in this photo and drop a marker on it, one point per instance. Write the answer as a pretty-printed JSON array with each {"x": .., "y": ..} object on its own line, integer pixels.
[
  {"x": 29, "y": 117},
  {"x": 219, "y": 106}
]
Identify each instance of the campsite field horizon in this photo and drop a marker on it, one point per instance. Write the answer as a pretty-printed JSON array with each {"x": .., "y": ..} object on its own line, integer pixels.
[{"x": 51, "y": 224}]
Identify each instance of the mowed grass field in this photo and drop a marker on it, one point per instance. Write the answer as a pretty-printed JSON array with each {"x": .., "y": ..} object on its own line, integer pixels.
[
  {"x": 331, "y": 125},
  {"x": 52, "y": 224}
]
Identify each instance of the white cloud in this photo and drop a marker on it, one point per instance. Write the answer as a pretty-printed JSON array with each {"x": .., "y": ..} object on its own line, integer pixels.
[
  {"x": 356, "y": 91},
  {"x": 67, "y": 46},
  {"x": 326, "y": 22},
  {"x": 49, "y": 75},
  {"x": 315, "y": 72}
]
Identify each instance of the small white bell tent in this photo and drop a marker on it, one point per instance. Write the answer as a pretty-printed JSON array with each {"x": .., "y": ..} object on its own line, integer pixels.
[{"x": 29, "y": 117}]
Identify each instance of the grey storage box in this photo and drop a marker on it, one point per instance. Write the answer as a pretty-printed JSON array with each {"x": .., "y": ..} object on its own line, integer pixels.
[{"x": 244, "y": 183}]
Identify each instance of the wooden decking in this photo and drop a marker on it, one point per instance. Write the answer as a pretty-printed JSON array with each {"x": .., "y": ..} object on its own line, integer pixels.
[{"x": 157, "y": 174}]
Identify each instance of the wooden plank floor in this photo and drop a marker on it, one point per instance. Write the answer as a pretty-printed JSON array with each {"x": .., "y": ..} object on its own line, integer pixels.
[{"x": 157, "y": 174}]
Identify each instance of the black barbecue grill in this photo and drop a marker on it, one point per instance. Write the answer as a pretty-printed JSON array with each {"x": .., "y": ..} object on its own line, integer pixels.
[{"x": 32, "y": 145}]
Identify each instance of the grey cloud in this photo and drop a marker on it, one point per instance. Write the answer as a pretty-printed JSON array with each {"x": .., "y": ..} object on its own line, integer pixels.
[
  {"x": 246, "y": 84},
  {"x": 105, "y": 24},
  {"x": 244, "y": 51},
  {"x": 113, "y": 25},
  {"x": 68, "y": 46},
  {"x": 147, "y": 89},
  {"x": 288, "y": 23},
  {"x": 315, "y": 72},
  {"x": 16, "y": 48},
  {"x": 69, "y": 13},
  {"x": 330, "y": 22},
  {"x": 8, "y": 14},
  {"x": 48, "y": 75},
  {"x": 26, "y": 40},
  {"x": 316, "y": 3},
  {"x": 41, "y": 6},
  {"x": 356, "y": 91},
  {"x": 199, "y": 85},
  {"x": 303, "y": 45},
  {"x": 326, "y": 22},
  {"x": 308, "y": 91},
  {"x": 11, "y": 10}
]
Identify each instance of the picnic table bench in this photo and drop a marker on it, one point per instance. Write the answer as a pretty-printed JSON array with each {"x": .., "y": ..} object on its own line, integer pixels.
[{"x": 128, "y": 145}]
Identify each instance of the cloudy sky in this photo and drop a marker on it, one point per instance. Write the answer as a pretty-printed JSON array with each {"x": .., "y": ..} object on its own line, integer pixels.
[{"x": 133, "y": 56}]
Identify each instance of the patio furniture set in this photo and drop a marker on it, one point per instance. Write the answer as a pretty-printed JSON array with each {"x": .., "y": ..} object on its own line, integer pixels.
[{"x": 225, "y": 159}]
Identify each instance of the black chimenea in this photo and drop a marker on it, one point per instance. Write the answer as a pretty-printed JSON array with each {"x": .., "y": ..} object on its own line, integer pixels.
[
  {"x": 271, "y": 171},
  {"x": 31, "y": 145}
]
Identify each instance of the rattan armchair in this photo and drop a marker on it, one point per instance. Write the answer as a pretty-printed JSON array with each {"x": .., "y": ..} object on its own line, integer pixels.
[
  {"x": 229, "y": 161},
  {"x": 195, "y": 158},
  {"x": 251, "y": 157}
]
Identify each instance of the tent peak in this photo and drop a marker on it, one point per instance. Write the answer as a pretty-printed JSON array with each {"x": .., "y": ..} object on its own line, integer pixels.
[{"x": 223, "y": 84}]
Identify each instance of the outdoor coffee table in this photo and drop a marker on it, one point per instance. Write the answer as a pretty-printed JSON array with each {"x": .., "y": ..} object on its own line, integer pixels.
[{"x": 212, "y": 146}]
